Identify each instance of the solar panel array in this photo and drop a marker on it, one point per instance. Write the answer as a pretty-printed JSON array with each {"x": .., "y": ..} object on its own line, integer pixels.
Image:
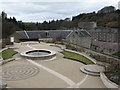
[
  {"x": 50, "y": 34},
  {"x": 83, "y": 33},
  {"x": 22, "y": 34},
  {"x": 62, "y": 33},
  {"x": 35, "y": 35}
]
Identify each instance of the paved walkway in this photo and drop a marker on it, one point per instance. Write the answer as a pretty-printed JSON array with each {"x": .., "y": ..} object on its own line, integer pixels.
[
  {"x": 67, "y": 80},
  {"x": 57, "y": 73}
]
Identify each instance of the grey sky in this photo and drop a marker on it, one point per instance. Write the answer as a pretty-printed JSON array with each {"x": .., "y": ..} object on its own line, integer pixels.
[{"x": 40, "y": 11}]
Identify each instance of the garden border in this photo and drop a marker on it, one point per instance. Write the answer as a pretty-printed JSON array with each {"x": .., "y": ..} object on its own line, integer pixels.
[{"x": 107, "y": 82}]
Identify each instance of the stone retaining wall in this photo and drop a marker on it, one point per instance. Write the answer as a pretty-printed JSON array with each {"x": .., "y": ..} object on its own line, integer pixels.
[
  {"x": 107, "y": 82},
  {"x": 98, "y": 56},
  {"x": 7, "y": 60}
]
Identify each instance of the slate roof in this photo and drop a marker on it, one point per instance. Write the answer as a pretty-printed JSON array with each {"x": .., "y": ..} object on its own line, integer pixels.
[
  {"x": 110, "y": 31},
  {"x": 83, "y": 33},
  {"x": 22, "y": 34},
  {"x": 50, "y": 33}
]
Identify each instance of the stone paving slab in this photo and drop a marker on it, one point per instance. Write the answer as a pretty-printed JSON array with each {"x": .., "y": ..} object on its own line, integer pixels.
[
  {"x": 66, "y": 67},
  {"x": 45, "y": 79},
  {"x": 92, "y": 82},
  {"x": 82, "y": 69},
  {"x": 41, "y": 80},
  {"x": 92, "y": 69},
  {"x": 57, "y": 67}
]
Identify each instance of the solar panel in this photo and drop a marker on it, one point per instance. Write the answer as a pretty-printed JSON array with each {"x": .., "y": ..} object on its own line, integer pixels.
[
  {"x": 51, "y": 33},
  {"x": 22, "y": 34}
]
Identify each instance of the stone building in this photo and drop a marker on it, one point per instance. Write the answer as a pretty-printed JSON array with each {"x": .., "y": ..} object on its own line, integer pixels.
[
  {"x": 105, "y": 40},
  {"x": 79, "y": 37},
  {"x": 41, "y": 34},
  {"x": 101, "y": 40},
  {"x": 107, "y": 9},
  {"x": 87, "y": 25}
]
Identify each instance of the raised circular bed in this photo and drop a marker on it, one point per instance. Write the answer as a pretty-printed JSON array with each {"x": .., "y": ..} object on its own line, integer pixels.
[
  {"x": 92, "y": 69},
  {"x": 41, "y": 54}
]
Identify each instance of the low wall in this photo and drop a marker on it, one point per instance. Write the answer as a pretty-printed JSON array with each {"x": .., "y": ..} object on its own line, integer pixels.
[
  {"x": 29, "y": 42},
  {"x": 100, "y": 57},
  {"x": 1, "y": 51},
  {"x": 7, "y": 60},
  {"x": 107, "y": 82}
]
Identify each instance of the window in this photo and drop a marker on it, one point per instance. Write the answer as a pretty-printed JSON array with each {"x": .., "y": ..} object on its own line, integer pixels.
[{"x": 47, "y": 34}]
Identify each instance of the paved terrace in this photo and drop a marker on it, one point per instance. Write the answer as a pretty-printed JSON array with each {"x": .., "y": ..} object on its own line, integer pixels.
[{"x": 57, "y": 73}]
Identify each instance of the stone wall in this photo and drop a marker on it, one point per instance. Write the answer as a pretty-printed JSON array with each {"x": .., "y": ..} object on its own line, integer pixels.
[
  {"x": 105, "y": 47},
  {"x": 81, "y": 41},
  {"x": 107, "y": 82},
  {"x": 105, "y": 40},
  {"x": 87, "y": 25},
  {"x": 110, "y": 61},
  {"x": 16, "y": 36}
]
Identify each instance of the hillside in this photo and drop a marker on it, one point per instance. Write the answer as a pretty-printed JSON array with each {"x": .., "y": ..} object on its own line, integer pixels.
[
  {"x": 106, "y": 17},
  {"x": 9, "y": 26}
]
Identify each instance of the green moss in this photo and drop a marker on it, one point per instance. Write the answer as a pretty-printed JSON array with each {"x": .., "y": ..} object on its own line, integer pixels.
[
  {"x": 59, "y": 42},
  {"x": 117, "y": 54},
  {"x": 116, "y": 71},
  {"x": 68, "y": 46},
  {"x": 8, "y": 53},
  {"x": 76, "y": 56}
]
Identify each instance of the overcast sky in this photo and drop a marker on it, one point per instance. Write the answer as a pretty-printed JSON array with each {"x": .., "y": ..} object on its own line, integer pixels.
[{"x": 39, "y": 11}]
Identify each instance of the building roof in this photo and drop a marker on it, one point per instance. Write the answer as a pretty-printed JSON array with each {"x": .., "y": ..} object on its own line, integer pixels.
[
  {"x": 22, "y": 34},
  {"x": 50, "y": 33},
  {"x": 83, "y": 33},
  {"x": 109, "y": 31}
]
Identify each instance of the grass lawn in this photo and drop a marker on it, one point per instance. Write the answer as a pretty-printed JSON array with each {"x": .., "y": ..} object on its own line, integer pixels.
[
  {"x": 117, "y": 54},
  {"x": 75, "y": 56},
  {"x": 6, "y": 54}
]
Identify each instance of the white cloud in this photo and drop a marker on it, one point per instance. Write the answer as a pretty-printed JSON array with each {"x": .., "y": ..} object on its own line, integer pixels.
[
  {"x": 40, "y": 11},
  {"x": 59, "y": 1}
]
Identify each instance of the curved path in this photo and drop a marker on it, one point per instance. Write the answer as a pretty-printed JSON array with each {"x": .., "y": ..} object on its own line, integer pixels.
[
  {"x": 66, "y": 79},
  {"x": 57, "y": 73}
]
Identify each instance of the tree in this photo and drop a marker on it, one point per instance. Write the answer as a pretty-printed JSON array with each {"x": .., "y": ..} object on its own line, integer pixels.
[
  {"x": 4, "y": 15},
  {"x": 14, "y": 20}
]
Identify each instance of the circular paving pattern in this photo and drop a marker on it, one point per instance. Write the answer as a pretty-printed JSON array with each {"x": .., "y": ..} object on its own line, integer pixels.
[
  {"x": 92, "y": 69},
  {"x": 19, "y": 72}
]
